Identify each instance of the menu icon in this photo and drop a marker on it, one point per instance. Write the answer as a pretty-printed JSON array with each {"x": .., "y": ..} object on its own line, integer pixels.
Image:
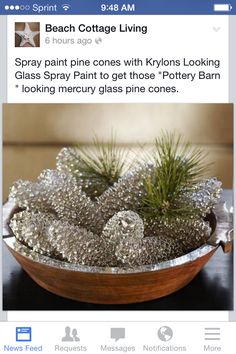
[{"x": 212, "y": 333}]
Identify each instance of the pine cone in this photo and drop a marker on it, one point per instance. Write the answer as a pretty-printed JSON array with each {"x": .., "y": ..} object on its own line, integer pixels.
[
  {"x": 58, "y": 192},
  {"x": 31, "y": 229},
  {"x": 126, "y": 194},
  {"x": 189, "y": 232},
  {"x": 149, "y": 250},
  {"x": 125, "y": 224},
  {"x": 203, "y": 196}
]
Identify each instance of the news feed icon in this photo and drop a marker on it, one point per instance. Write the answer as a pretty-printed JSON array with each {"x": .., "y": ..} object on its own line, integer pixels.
[
  {"x": 27, "y": 34},
  {"x": 23, "y": 334}
]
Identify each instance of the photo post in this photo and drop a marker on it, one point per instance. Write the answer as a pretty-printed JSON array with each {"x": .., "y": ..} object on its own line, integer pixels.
[{"x": 118, "y": 176}]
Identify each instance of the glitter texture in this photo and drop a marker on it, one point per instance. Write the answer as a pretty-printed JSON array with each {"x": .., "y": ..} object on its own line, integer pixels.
[
  {"x": 126, "y": 194},
  {"x": 58, "y": 192},
  {"x": 55, "y": 238},
  {"x": 150, "y": 250},
  {"x": 30, "y": 195},
  {"x": 62, "y": 222},
  {"x": 31, "y": 229},
  {"x": 203, "y": 196},
  {"x": 190, "y": 233},
  {"x": 125, "y": 224},
  {"x": 68, "y": 160},
  {"x": 77, "y": 245}
]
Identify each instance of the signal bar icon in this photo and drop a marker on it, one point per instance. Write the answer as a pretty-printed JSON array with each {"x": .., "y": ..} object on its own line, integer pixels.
[
  {"x": 12, "y": 7},
  {"x": 65, "y": 7}
]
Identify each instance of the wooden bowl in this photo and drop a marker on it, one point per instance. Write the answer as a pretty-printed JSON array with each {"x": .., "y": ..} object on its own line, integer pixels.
[{"x": 116, "y": 285}]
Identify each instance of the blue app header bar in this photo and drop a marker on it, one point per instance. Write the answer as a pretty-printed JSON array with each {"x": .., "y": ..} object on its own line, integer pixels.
[{"x": 118, "y": 7}]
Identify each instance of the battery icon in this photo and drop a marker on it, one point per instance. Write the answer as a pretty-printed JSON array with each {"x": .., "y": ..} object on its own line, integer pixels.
[{"x": 223, "y": 7}]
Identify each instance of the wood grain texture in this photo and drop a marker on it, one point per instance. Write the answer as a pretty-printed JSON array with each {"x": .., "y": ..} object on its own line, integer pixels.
[{"x": 111, "y": 288}]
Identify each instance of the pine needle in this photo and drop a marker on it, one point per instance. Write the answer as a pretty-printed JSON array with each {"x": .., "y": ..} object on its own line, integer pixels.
[
  {"x": 102, "y": 166},
  {"x": 178, "y": 166}
]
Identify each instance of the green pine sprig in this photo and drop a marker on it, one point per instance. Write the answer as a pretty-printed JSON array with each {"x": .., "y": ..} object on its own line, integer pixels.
[
  {"x": 100, "y": 167},
  {"x": 178, "y": 166}
]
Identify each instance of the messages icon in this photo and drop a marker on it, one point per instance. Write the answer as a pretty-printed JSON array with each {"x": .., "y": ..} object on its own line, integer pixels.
[{"x": 117, "y": 333}]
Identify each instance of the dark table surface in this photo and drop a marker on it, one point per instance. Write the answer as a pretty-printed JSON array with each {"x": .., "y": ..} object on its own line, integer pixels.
[{"x": 211, "y": 289}]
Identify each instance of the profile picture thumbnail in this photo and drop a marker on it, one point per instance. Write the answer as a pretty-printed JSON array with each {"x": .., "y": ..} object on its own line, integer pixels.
[{"x": 27, "y": 34}]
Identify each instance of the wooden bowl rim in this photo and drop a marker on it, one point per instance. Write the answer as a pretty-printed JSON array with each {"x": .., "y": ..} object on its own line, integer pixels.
[{"x": 54, "y": 263}]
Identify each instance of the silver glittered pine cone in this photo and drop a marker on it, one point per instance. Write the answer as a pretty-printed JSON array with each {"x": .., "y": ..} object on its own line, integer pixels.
[
  {"x": 203, "y": 196},
  {"x": 79, "y": 246},
  {"x": 31, "y": 228},
  {"x": 46, "y": 235},
  {"x": 95, "y": 171},
  {"x": 68, "y": 161},
  {"x": 149, "y": 250},
  {"x": 126, "y": 194},
  {"x": 189, "y": 232},
  {"x": 124, "y": 224},
  {"x": 70, "y": 202},
  {"x": 58, "y": 192},
  {"x": 30, "y": 195}
]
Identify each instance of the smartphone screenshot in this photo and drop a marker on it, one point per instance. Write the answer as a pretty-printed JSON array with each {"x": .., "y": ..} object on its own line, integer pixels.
[{"x": 117, "y": 129}]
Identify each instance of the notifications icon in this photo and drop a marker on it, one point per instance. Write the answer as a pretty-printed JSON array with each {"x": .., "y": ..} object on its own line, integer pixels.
[
  {"x": 117, "y": 333},
  {"x": 165, "y": 333}
]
